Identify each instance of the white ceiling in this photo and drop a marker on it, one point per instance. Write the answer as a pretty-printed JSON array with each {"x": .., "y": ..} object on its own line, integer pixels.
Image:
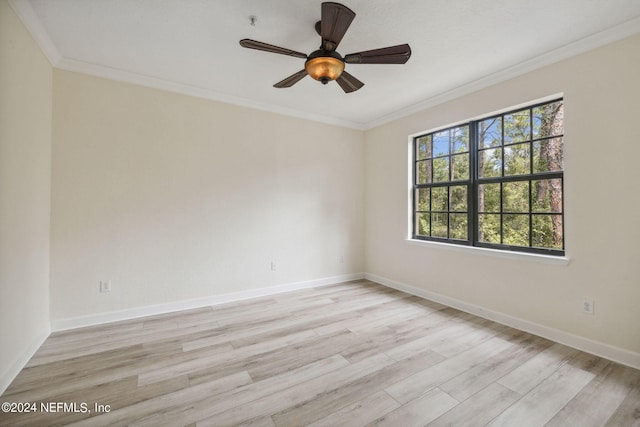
[{"x": 191, "y": 46}]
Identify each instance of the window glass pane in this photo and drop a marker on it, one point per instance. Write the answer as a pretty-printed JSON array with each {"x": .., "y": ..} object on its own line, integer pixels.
[
  {"x": 460, "y": 139},
  {"x": 490, "y": 132},
  {"x": 547, "y": 231},
  {"x": 517, "y": 127},
  {"x": 458, "y": 226},
  {"x": 490, "y": 163},
  {"x": 439, "y": 225},
  {"x": 423, "y": 172},
  {"x": 439, "y": 200},
  {"x": 423, "y": 147},
  {"x": 460, "y": 167},
  {"x": 489, "y": 228},
  {"x": 489, "y": 198},
  {"x": 422, "y": 224},
  {"x": 441, "y": 143},
  {"x": 547, "y": 195},
  {"x": 516, "y": 160},
  {"x": 422, "y": 199},
  {"x": 548, "y": 155},
  {"x": 516, "y": 230},
  {"x": 458, "y": 198},
  {"x": 548, "y": 120},
  {"x": 441, "y": 169},
  {"x": 515, "y": 196}
]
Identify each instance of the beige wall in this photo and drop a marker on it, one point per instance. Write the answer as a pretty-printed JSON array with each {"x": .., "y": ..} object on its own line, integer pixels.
[
  {"x": 602, "y": 139},
  {"x": 25, "y": 180},
  {"x": 172, "y": 198}
]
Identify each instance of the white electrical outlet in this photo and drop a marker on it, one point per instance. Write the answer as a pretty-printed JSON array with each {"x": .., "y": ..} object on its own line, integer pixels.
[
  {"x": 587, "y": 306},
  {"x": 341, "y": 259},
  {"x": 105, "y": 286},
  {"x": 273, "y": 266}
]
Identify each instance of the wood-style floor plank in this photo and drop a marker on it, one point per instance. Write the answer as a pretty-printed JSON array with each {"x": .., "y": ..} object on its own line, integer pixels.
[
  {"x": 350, "y": 354},
  {"x": 538, "y": 406},
  {"x": 483, "y": 374},
  {"x": 597, "y": 402},
  {"x": 411, "y": 388},
  {"x": 359, "y": 413},
  {"x": 420, "y": 411},
  {"x": 479, "y": 408},
  {"x": 335, "y": 399},
  {"x": 538, "y": 368}
]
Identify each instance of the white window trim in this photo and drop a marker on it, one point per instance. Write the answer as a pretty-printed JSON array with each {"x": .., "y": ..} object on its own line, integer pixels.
[{"x": 496, "y": 253}]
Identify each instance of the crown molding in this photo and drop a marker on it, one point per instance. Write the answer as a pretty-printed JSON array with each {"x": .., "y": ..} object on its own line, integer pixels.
[
  {"x": 195, "y": 91},
  {"x": 28, "y": 16},
  {"x": 586, "y": 44}
]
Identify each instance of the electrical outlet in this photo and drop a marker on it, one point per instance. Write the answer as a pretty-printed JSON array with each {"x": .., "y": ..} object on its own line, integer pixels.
[
  {"x": 341, "y": 259},
  {"x": 105, "y": 286},
  {"x": 587, "y": 306},
  {"x": 273, "y": 266}
]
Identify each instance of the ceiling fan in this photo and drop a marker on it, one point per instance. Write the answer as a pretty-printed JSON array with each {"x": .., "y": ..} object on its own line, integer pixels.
[{"x": 325, "y": 64}]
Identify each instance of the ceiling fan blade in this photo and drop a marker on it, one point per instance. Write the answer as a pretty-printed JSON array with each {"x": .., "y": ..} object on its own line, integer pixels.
[
  {"x": 334, "y": 23},
  {"x": 348, "y": 83},
  {"x": 291, "y": 80},
  {"x": 252, "y": 44},
  {"x": 387, "y": 55}
]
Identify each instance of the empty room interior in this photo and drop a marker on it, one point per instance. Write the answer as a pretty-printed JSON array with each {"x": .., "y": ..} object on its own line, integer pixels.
[{"x": 432, "y": 221}]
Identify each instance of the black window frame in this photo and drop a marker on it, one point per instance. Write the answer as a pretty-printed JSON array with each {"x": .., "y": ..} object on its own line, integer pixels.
[{"x": 474, "y": 182}]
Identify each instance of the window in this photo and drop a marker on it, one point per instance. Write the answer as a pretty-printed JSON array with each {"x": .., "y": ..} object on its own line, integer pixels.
[{"x": 496, "y": 182}]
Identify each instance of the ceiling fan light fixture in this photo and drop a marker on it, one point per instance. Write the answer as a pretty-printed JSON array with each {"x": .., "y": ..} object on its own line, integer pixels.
[
  {"x": 325, "y": 64},
  {"x": 324, "y": 68}
]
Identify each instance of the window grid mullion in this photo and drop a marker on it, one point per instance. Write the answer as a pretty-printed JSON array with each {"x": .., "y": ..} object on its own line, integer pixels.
[
  {"x": 530, "y": 213},
  {"x": 501, "y": 215},
  {"x": 502, "y": 156},
  {"x": 472, "y": 187}
]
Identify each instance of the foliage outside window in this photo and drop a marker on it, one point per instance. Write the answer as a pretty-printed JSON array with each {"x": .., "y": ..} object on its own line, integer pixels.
[{"x": 496, "y": 182}]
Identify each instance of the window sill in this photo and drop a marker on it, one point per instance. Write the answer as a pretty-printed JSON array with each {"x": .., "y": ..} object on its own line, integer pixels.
[{"x": 520, "y": 256}]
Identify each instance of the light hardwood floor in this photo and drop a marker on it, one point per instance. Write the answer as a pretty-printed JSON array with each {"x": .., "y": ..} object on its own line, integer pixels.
[{"x": 351, "y": 354}]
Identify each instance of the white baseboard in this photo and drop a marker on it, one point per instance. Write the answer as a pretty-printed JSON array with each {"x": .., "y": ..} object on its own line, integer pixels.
[
  {"x": 12, "y": 372},
  {"x": 134, "y": 313},
  {"x": 616, "y": 354}
]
